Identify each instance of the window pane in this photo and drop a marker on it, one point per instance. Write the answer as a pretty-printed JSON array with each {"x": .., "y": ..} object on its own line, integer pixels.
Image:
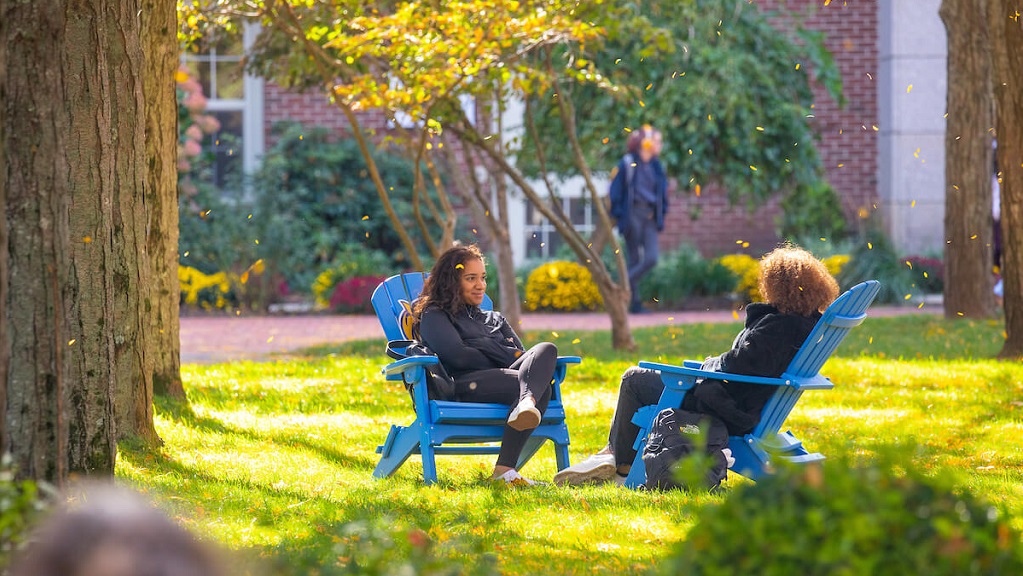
[
  {"x": 533, "y": 248},
  {"x": 578, "y": 211},
  {"x": 230, "y": 80},
  {"x": 533, "y": 216},
  {"x": 554, "y": 243},
  {"x": 199, "y": 70},
  {"x": 226, "y": 147}
]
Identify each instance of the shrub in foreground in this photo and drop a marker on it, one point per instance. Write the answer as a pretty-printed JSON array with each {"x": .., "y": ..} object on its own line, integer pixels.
[{"x": 849, "y": 520}]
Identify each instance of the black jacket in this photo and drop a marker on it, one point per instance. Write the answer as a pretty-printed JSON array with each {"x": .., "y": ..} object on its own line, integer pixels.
[
  {"x": 765, "y": 347},
  {"x": 471, "y": 340}
]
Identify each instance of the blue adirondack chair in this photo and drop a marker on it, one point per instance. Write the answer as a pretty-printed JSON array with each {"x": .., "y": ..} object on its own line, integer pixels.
[
  {"x": 444, "y": 427},
  {"x": 755, "y": 451}
]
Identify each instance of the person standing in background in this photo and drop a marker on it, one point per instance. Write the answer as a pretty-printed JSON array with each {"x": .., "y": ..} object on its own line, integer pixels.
[{"x": 639, "y": 203}]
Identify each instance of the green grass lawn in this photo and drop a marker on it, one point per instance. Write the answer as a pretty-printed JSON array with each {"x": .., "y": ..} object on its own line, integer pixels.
[{"x": 274, "y": 459}]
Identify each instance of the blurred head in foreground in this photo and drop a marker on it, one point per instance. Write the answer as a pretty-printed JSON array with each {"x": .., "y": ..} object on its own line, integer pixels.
[{"x": 105, "y": 531}]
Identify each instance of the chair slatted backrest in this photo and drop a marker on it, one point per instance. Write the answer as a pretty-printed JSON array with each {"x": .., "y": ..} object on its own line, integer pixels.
[
  {"x": 392, "y": 300},
  {"x": 844, "y": 314}
]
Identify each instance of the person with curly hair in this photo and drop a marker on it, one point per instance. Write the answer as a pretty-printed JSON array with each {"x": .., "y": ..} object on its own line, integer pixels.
[
  {"x": 482, "y": 352},
  {"x": 797, "y": 287}
]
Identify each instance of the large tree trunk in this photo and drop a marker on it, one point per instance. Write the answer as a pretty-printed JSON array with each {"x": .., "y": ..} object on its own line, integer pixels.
[
  {"x": 1006, "y": 26},
  {"x": 159, "y": 20},
  {"x": 78, "y": 277},
  {"x": 35, "y": 339},
  {"x": 968, "y": 232}
]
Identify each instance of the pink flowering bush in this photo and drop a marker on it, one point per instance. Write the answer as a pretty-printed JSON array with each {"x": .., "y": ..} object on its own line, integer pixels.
[{"x": 352, "y": 296}]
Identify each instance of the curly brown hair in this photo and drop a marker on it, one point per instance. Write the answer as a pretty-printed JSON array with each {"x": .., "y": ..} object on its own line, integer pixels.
[
  {"x": 796, "y": 282},
  {"x": 442, "y": 288}
]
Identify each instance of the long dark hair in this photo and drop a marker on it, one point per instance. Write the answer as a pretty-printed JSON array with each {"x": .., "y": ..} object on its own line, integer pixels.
[{"x": 443, "y": 288}]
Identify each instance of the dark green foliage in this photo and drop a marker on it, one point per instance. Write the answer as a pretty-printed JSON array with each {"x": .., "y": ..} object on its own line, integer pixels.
[
  {"x": 874, "y": 258},
  {"x": 684, "y": 274},
  {"x": 814, "y": 211},
  {"x": 314, "y": 195},
  {"x": 21, "y": 504},
  {"x": 717, "y": 79},
  {"x": 841, "y": 519},
  {"x": 928, "y": 274},
  {"x": 217, "y": 232}
]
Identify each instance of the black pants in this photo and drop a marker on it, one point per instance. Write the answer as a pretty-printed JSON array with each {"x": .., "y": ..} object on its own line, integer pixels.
[
  {"x": 530, "y": 375},
  {"x": 641, "y": 246},
  {"x": 640, "y": 387}
]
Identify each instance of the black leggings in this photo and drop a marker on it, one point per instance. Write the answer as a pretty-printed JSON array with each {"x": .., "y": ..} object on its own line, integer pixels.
[
  {"x": 640, "y": 387},
  {"x": 530, "y": 375}
]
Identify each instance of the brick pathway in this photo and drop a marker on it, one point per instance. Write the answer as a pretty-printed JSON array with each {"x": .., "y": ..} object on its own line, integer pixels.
[{"x": 207, "y": 339}]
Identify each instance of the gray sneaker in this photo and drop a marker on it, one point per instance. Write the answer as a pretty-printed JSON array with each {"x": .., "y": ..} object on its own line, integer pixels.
[{"x": 596, "y": 469}]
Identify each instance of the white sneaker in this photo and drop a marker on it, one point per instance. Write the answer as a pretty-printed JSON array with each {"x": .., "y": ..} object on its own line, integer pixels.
[
  {"x": 595, "y": 469},
  {"x": 525, "y": 416},
  {"x": 728, "y": 456},
  {"x": 512, "y": 478}
]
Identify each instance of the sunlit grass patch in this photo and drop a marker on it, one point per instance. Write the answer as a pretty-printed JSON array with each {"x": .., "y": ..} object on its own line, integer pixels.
[{"x": 275, "y": 458}]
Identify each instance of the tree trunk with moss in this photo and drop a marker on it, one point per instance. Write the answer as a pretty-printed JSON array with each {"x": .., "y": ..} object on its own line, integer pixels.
[
  {"x": 159, "y": 20},
  {"x": 77, "y": 281},
  {"x": 968, "y": 232},
  {"x": 1006, "y": 27}
]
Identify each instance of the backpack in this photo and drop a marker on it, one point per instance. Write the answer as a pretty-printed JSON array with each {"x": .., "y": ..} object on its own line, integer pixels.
[
  {"x": 676, "y": 435},
  {"x": 439, "y": 385}
]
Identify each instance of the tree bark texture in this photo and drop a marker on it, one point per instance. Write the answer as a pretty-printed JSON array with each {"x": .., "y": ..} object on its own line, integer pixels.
[
  {"x": 969, "y": 281},
  {"x": 159, "y": 21},
  {"x": 37, "y": 268},
  {"x": 79, "y": 282},
  {"x": 1006, "y": 25}
]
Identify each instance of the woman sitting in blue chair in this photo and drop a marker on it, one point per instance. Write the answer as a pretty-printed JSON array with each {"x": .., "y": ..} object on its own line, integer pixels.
[
  {"x": 482, "y": 352},
  {"x": 797, "y": 287}
]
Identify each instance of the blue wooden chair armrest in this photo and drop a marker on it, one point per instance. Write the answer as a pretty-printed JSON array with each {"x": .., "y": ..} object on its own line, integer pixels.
[
  {"x": 569, "y": 360},
  {"x": 690, "y": 375},
  {"x": 394, "y": 370}
]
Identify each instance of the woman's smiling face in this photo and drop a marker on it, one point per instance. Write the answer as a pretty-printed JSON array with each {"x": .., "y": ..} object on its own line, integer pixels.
[{"x": 474, "y": 281}]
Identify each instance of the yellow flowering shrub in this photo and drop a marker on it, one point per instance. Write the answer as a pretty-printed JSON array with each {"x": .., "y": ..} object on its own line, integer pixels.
[
  {"x": 747, "y": 270},
  {"x": 836, "y": 263},
  {"x": 563, "y": 287},
  {"x": 211, "y": 288}
]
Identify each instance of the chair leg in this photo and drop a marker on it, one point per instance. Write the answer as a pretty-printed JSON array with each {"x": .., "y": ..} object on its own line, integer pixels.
[
  {"x": 529, "y": 450},
  {"x": 561, "y": 454},
  {"x": 637, "y": 474},
  {"x": 397, "y": 450},
  {"x": 429, "y": 461}
]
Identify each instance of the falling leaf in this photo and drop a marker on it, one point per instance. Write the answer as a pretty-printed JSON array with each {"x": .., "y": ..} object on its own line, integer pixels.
[
  {"x": 697, "y": 190},
  {"x": 974, "y": 237},
  {"x": 459, "y": 267},
  {"x": 870, "y": 340},
  {"x": 87, "y": 239},
  {"x": 648, "y": 86},
  {"x": 917, "y": 153},
  {"x": 797, "y": 65},
  {"x": 555, "y": 334},
  {"x": 752, "y": 167},
  {"x": 910, "y": 264},
  {"x": 605, "y": 140},
  {"x": 270, "y": 339},
  {"x": 745, "y": 244},
  {"x": 909, "y": 89},
  {"x": 921, "y": 305},
  {"x": 366, "y": 217},
  {"x": 760, "y": 128},
  {"x": 641, "y": 104},
  {"x": 912, "y": 204},
  {"x": 870, "y": 246},
  {"x": 71, "y": 342},
  {"x": 826, "y": 2},
  {"x": 960, "y": 314},
  {"x": 823, "y": 239},
  {"x": 907, "y": 296},
  {"x": 840, "y": 165},
  {"x": 735, "y": 314},
  {"x": 576, "y": 341}
]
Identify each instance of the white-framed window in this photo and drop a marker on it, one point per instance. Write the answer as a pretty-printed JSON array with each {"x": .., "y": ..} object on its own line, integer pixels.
[
  {"x": 234, "y": 98},
  {"x": 542, "y": 239}
]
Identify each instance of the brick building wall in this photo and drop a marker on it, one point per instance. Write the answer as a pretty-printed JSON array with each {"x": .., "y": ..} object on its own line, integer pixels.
[{"x": 848, "y": 144}]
